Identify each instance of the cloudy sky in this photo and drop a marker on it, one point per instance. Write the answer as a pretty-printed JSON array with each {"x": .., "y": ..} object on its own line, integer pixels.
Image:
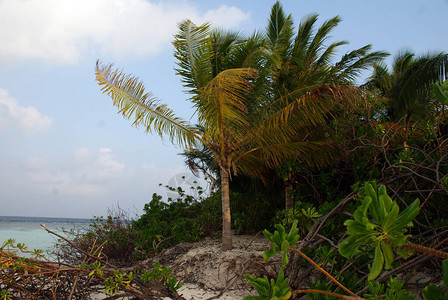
[{"x": 64, "y": 151}]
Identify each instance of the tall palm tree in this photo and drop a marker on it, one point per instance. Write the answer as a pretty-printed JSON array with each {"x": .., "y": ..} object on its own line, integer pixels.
[
  {"x": 406, "y": 85},
  {"x": 297, "y": 71},
  {"x": 302, "y": 69},
  {"x": 216, "y": 69}
]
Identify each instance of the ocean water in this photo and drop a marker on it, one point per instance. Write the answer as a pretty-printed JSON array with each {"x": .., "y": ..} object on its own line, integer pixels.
[{"x": 27, "y": 230}]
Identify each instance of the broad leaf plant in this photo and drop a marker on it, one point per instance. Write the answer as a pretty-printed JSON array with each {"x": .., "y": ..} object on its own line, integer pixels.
[{"x": 379, "y": 223}]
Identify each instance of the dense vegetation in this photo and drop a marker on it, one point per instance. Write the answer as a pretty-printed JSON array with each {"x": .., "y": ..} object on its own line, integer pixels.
[{"x": 288, "y": 140}]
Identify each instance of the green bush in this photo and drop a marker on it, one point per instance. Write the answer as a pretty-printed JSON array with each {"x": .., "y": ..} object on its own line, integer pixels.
[{"x": 184, "y": 219}]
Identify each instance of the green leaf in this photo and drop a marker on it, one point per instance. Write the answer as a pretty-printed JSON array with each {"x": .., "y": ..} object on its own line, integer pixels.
[
  {"x": 406, "y": 216},
  {"x": 277, "y": 238},
  {"x": 260, "y": 284},
  {"x": 280, "y": 277},
  {"x": 432, "y": 292},
  {"x": 280, "y": 229},
  {"x": 285, "y": 245},
  {"x": 370, "y": 191},
  {"x": 388, "y": 255},
  {"x": 361, "y": 211},
  {"x": 349, "y": 246},
  {"x": 286, "y": 296},
  {"x": 398, "y": 240},
  {"x": 382, "y": 210},
  {"x": 285, "y": 259},
  {"x": 293, "y": 227},
  {"x": 391, "y": 215},
  {"x": 293, "y": 235},
  {"x": 268, "y": 235},
  {"x": 270, "y": 252},
  {"x": 382, "y": 191},
  {"x": 377, "y": 265},
  {"x": 374, "y": 207},
  {"x": 354, "y": 228}
]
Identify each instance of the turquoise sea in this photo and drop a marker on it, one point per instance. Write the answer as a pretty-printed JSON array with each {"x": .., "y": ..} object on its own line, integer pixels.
[{"x": 27, "y": 230}]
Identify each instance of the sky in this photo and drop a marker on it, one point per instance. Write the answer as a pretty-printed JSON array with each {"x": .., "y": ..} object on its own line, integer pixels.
[{"x": 64, "y": 150}]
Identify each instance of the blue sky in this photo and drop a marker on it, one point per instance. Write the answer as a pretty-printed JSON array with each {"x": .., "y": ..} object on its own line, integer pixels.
[{"x": 64, "y": 151}]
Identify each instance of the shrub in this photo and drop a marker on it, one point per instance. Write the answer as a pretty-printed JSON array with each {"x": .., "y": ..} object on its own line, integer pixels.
[{"x": 184, "y": 219}]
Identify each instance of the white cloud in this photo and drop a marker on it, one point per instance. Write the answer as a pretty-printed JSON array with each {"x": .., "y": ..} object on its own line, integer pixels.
[
  {"x": 90, "y": 173},
  {"x": 99, "y": 166},
  {"x": 58, "y": 31},
  {"x": 225, "y": 16},
  {"x": 28, "y": 118},
  {"x": 35, "y": 163}
]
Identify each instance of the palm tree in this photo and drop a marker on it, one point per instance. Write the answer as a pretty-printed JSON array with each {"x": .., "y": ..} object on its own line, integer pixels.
[
  {"x": 297, "y": 72},
  {"x": 215, "y": 68},
  {"x": 407, "y": 85},
  {"x": 302, "y": 70}
]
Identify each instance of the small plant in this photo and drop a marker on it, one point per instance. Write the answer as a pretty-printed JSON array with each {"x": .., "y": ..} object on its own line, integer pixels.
[
  {"x": 283, "y": 242},
  {"x": 112, "y": 284},
  {"x": 304, "y": 213},
  {"x": 162, "y": 275},
  {"x": 377, "y": 222},
  {"x": 273, "y": 289},
  {"x": 394, "y": 291}
]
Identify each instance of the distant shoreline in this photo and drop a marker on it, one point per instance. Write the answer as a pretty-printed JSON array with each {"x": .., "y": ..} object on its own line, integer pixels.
[{"x": 43, "y": 219}]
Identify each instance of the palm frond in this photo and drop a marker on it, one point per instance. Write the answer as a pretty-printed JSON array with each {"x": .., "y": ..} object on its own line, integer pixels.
[
  {"x": 315, "y": 47},
  {"x": 402, "y": 61},
  {"x": 249, "y": 53},
  {"x": 413, "y": 84},
  {"x": 133, "y": 102},
  {"x": 221, "y": 104},
  {"x": 279, "y": 31},
  {"x": 325, "y": 58},
  {"x": 194, "y": 54},
  {"x": 224, "y": 44},
  {"x": 302, "y": 110},
  {"x": 380, "y": 80},
  {"x": 315, "y": 154},
  {"x": 303, "y": 38},
  {"x": 354, "y": 62}
]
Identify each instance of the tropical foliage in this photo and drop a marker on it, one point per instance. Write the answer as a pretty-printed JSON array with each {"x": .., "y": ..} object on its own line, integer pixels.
[
  {"x": 229, "y": 80},
  {"x": 407, "y": 86}
]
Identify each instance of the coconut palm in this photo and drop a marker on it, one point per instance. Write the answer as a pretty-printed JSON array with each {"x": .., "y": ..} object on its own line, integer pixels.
[
  {"x": 217, "y": 70},
  {"x": 297, "y": 72},
  {"x": 407, "y": 85},
  {"x": 303, "y": 70}
]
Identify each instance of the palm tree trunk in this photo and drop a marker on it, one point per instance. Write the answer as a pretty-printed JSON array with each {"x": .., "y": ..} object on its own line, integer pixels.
[
  {"x": 289, "y": 200},
  {"x": 226, "y": 218}
]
